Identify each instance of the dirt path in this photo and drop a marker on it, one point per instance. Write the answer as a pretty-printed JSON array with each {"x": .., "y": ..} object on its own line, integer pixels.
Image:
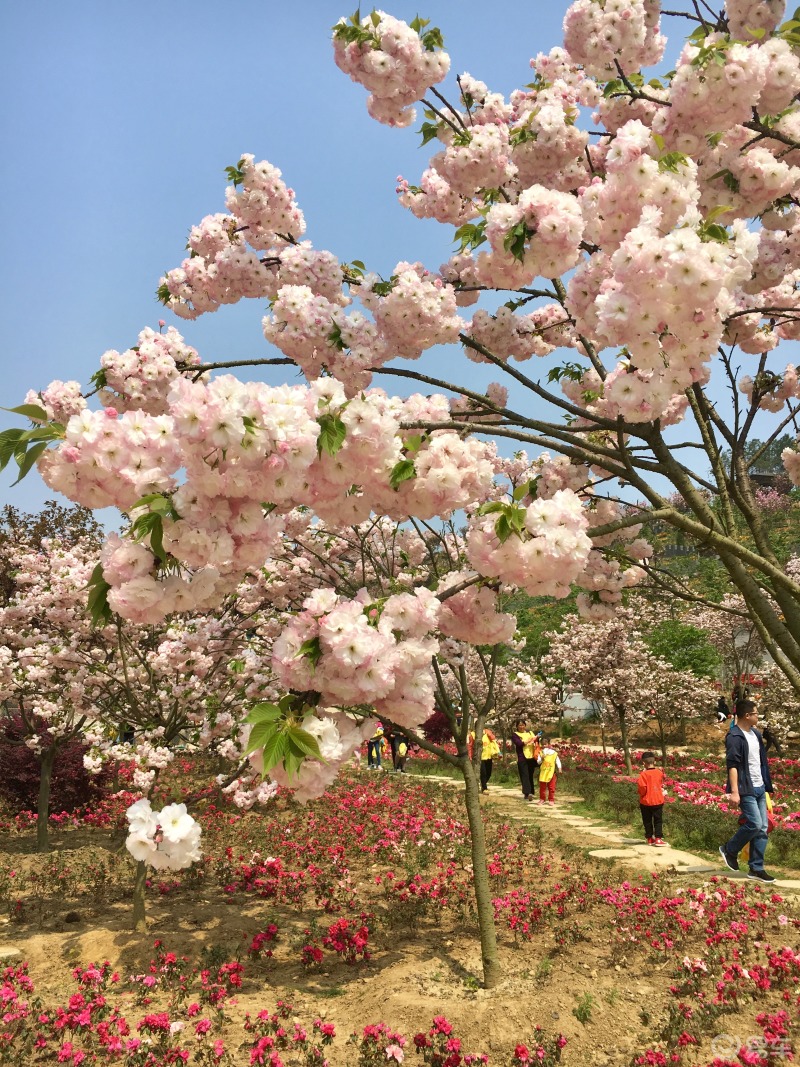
[{"x": 611, "y": 842}]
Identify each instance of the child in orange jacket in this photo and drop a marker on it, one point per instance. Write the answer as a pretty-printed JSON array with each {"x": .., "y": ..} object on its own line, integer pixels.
[{"x": 651, "y": 799}]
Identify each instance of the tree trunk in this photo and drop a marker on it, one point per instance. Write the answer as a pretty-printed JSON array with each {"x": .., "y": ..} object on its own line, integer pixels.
[
  {"x": 603, "y": 735},
  {"x": 626, "y": 748},
  {"x": 43, "y": 809},
  {"x": 139, "y": 886},
  {"x": 662, "y": 740},
  {"x": 480, "y": 876}
]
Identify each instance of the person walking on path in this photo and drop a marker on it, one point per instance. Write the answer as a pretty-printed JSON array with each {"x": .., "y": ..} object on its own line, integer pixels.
[
  {"x": 523, "y": 740},
  {"x": 651, "y": 799},
  {"x": 748, "y": 784},
  {"x": 549, "y": 764},
  {"x": 374, "y": 746},
  {"x": 722, "y": 712},
  {"x": 771, "y": 740},
  {"x": 489, "y": 749}
]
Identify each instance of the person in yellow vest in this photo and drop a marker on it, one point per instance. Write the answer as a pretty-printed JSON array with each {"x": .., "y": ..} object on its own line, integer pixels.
[
  {"x": 524, "y": 739},
  {"x": 374, "y": 746},
  {"x": 549, "y": 769},
  {"x": 489, "y": 749}
]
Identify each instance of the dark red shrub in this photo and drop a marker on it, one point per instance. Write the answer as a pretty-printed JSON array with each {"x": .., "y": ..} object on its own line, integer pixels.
[
  {"x": 437, "y": 729},
  {"x": 71, "y": 786}
]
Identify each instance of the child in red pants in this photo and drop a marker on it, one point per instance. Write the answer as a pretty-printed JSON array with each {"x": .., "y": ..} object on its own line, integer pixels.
[{"x": 549, "y": 764}]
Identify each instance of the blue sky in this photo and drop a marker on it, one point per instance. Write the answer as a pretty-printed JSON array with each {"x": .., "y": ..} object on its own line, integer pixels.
[{"x": 119, "y": 122}]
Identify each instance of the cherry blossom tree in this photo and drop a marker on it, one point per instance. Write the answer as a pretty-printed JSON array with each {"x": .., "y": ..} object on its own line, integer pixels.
[
  {"x": 647, "y": 226},
  {"x": 610, "y": 664}
]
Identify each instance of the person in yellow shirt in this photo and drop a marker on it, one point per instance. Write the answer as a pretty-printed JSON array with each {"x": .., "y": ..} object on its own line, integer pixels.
[
  {"x": 489, "y": 749},
  {"x": 549, "y": 764},
  {"x": 374, "y": 746},
  {"x": 524, "y": 741}
]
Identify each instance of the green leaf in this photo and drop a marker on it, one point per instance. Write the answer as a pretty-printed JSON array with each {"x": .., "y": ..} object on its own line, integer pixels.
[
  {"x": 432, "y": 39},
  {"x": 311, "y": 649},
  {"x": 492, "y": 508},
  {"x": 521, "y": 491},
  {"x": 97, "y": 602},
  {"x": 671, "y": 161},
  {"x": 402, "y": 471},
  {"x": 334, "y": 338},
  {"x": 414, "y": 442},
  {"x": 332, "y": 432},
  {"x": 157, "y": 539},
  {"x": 163, "y": 295},
  {"x": 98, "y": 379},
  {"x": 260, "y": 736},
  {"x": 292, "y": 762},
  {"x": 263, "y": 712},
  {"x": 303, "y": 742},
  {"x": 715, "y": 213},
  {"x": 714, "y": 232},
  {"x": 614, "y": 88},
  {"x": 516, "y": 238},
  {"x": 274, "y": 750},
  {"x": 9, "y": 442},
  {"x": 503, "y": 528},
  {"x": 28, "y": 459},
  {"x": 30, "y": 411},
  {"x": 471, "y": 235},
  {"x": 429, "y": 131},
  {"x": 235, "y": 174},
  {"x": 155, "y": 502}
]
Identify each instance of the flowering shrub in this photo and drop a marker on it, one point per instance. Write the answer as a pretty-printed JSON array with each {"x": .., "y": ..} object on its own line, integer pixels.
[
  {"x": 71, "y": 786},
  {"x": 541, "y": 1051},
  {"x": 379, "y": 1044},
  {"x": 349, "y": 938},
  {"x": 439, "y": 1047},
  {"x": 256, "y": 949}
]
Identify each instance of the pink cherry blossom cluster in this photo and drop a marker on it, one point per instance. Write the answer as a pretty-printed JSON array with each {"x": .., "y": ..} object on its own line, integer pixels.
[
  {"x": 264, "y": 206},
  {"x": 360, "y": 652},
  {"x": 433, "y": 198},
  {"x": 716, "y": 86},
  {"x": 472, "y": 615},
  {"x": 743, "y": 181},
  {"x": 338, "y": 737},
  {"x": 545, "y": 557},
  {"x": 596, "y": 32},
  {"x": 634, "y": 179},
  {"x": 773, "y": 395},
  {"x": 140, "y": 377},
  {"x": 476, "y": 410},
  {"x": 60, "y": 400},
  {"x": 165, "y": 840},
  {"x": 477, "y": 159},
  {"x": 549, "y": 148},
  {"x": 392, "y": 62},
  {"x": 221, "y": 268},
  {"x": 418, "y": 312},
  {"x": 744, "y": 16},
  {"x": 508, "y": 335},
  {"x": 549, "y": 225},
  {"x": 652, "y": 281}
]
